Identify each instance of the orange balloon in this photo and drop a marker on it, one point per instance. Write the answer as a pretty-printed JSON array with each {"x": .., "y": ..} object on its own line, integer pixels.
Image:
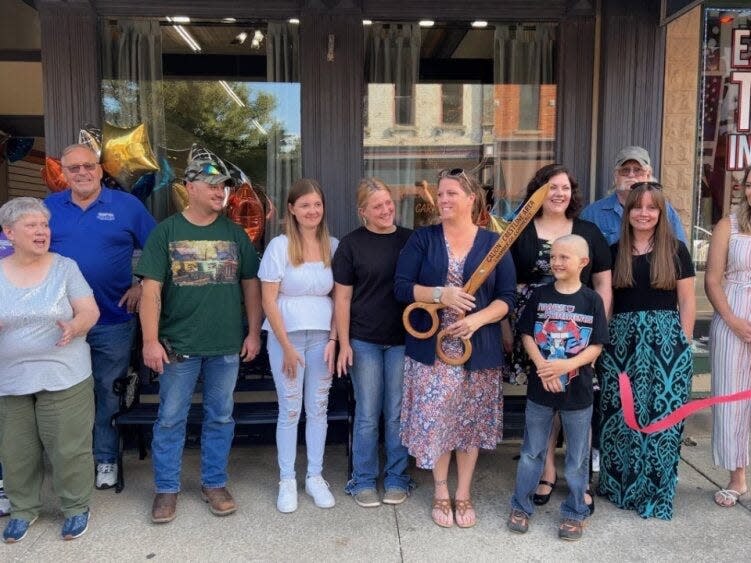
[
  {"x": 245, "y": 209},
  {"x": 52, "y": 174}
]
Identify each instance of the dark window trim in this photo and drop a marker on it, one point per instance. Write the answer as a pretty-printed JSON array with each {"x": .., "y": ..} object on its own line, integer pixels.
[{"x": 20, "y": 56}]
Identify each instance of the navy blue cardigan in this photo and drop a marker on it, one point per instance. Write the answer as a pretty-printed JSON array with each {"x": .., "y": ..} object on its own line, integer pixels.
[{"x": 424, "y": 261}]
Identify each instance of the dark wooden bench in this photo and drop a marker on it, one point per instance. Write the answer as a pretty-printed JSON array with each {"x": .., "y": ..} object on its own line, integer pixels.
[{"x": 255, "y": 404}]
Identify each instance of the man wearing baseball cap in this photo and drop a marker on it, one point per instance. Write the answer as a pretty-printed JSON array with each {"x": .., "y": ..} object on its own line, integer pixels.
[
  {"x": 632, "y": 166},
  {"x": 197, "y": 268}
]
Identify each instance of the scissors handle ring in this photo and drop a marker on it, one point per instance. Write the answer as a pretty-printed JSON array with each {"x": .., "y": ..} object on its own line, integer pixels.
[{"x": 431, "y": 309}]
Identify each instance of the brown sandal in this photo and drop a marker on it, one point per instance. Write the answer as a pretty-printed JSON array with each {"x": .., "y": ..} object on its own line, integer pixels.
[
  {"x": 462, "y": 506},
  {"x": 444, "y": 505}
]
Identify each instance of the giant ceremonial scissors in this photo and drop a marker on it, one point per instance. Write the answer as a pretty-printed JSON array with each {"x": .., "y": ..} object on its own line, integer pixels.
[{"x": 494, "y": 255}]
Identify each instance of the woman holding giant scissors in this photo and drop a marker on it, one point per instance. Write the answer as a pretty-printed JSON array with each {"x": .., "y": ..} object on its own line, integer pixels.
[{"x": 449, "y": 408}]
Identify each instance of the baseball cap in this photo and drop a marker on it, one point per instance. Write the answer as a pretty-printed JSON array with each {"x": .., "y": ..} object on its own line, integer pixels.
[
  {"x": 638, "y": 154},
  {"x": 207, "y": 170}
]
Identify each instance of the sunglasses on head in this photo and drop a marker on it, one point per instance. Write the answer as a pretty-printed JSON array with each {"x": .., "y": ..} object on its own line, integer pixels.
[
  {"x": 209, "y": 169},
  {"x": 75, "y": 168},
  {"x": 452, "y": 173},
  {"x": 653, "y": 185}
]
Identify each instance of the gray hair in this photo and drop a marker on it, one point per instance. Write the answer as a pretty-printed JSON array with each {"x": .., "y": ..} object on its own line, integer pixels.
[
  {"x": 20, "y": 206},
  {"x": 70, "y": 148}
]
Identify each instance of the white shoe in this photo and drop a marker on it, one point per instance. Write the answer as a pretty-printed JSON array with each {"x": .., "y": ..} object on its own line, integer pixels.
[
  {"x": 106, "y": 475},
  {"x": 318, "y": 488},
  {"x": 4, "y": 504},
  {"x": 287, "y": 500},
  {"x": 595, "y": 460}
]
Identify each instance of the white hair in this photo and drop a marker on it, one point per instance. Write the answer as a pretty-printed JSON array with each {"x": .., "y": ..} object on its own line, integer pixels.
[{"x": 20, "y": 206}]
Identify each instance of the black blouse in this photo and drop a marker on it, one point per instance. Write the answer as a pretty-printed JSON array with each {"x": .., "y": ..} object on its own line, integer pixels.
[
  {"x": 642, "y": 296},
  {"x": 526, "y": 250}
]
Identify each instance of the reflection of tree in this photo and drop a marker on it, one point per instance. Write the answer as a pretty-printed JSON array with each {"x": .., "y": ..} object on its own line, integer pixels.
[{"x": 203, "y": 112}]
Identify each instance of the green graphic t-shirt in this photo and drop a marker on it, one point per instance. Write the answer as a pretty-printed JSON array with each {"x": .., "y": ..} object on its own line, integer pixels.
[{"x": 200, "y": 269}]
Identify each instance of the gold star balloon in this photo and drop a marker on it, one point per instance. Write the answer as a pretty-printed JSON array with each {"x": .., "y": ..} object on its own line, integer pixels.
[
  {"x": 127, "y": 154},
  {"x": 179, "y": 195}
]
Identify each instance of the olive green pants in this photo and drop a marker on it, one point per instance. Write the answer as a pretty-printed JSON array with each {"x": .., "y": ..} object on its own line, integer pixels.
[{"x": 56, "y": 422}]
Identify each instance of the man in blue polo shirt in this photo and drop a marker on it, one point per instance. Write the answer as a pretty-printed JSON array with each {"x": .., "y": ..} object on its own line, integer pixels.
[
  {"x": 632, "y": 165},
  {"x": 100, "y": 228}
]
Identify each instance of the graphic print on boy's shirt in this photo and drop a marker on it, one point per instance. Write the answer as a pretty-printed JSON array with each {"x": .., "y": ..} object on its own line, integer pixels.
[
  {"x": 560, "y": 335},
  {"x": 202, "y": 262}
]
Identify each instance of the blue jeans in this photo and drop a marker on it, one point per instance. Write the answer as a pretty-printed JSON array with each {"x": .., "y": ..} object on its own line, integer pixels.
[
  {"x": 310, "y": 385},
  {"x": 176, "y": 386},
  {"x": 110, "y": 357},
  {"x": 377, "y": 377},
  {"x": 538, "y": 421}
]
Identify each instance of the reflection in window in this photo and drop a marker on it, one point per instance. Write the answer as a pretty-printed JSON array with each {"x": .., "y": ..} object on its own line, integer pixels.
[
  {"x": 231, "y": 88},
  {"x": 481, "y": 99}
]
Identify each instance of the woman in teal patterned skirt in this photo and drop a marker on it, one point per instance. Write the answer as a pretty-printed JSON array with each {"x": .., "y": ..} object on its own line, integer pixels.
[{"x": 654, "y": 309}]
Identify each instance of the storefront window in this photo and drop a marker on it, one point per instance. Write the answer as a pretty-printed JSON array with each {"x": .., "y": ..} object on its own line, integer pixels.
[
  {"x": 725, "y": 143},
  {"x": 453, "y": 96},
  {"x": 232, "y": 88}
]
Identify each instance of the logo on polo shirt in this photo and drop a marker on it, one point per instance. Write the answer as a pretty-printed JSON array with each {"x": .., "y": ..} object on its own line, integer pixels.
[{"x": 105, "y": 216}]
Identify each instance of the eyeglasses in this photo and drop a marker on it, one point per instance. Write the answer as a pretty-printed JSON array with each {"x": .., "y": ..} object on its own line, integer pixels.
[
  {"x": 453, "y": 173},
  {"x": 76, "y": 168},
  {"x": 653, "y": 185},
  {"x": 628, "y": 170}
]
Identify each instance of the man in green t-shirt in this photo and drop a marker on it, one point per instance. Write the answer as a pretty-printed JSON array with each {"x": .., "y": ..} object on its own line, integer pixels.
[{"x": 197, "y": 268}]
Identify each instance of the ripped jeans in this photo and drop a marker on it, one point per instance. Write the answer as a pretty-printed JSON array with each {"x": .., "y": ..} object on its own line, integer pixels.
[{"x": 311, "y": 383}]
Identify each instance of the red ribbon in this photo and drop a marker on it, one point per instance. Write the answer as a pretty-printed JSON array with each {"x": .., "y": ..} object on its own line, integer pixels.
[{"x": 627, "y": 401}]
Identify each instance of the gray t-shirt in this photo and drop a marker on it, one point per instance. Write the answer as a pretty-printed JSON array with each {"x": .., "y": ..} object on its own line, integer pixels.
[{"x": 30, "y": 361}]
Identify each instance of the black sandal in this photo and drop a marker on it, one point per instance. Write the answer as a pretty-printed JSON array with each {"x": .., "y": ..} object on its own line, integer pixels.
[{"x": 540, "y": 500}]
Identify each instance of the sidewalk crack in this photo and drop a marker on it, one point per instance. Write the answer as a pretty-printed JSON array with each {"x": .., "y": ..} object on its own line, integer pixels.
[
  {"x": 398, "y": 534},
  {"x": 708, "y": 478}
]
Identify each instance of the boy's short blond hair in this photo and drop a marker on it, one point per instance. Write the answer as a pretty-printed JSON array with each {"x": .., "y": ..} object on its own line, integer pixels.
[{"x": 578, "y": 243}]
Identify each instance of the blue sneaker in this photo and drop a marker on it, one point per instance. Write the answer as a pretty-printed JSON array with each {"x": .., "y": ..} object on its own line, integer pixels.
[
  {"x": 16, "y": 529},
  {"x": 75, "y": 526}
]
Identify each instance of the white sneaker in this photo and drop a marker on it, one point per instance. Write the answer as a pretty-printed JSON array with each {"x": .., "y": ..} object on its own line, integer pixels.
[
  {"x": 287, "y": 500},
  {"x": 4, "y": 504},
  {"x": 595, "y": 460},
  {"x": 106, "y": 475},
  {"x": 318, "y": 488}
]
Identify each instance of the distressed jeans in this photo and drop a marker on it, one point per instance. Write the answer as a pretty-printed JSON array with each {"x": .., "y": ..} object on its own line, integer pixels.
[
  {"x": 310, "y": 386},
  {"x": 377, "y": 377},
  {"x": 176, "y": 387},
  {"x": 576, "y": 425}
]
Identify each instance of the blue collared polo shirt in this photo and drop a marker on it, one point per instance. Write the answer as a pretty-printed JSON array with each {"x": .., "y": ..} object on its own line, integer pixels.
[
  {"x": 101, "y": 239},
  {"x": 607, "y": 214}
]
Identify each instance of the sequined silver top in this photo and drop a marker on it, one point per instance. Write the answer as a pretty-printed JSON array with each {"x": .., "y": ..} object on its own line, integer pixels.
[{"x": 29, "y": 359}]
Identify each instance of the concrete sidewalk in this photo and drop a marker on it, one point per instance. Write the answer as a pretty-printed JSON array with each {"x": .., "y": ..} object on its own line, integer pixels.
[{"x": 120, "y": 528}]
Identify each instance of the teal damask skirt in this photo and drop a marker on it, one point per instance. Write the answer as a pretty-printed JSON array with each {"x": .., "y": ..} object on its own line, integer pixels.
[{"x": 640, "y": 471}]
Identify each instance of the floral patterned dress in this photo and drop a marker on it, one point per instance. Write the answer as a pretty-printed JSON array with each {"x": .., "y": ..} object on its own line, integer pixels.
[{"x": 445, "y": 407}]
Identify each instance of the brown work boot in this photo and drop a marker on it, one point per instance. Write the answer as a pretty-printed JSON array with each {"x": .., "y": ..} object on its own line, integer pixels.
[
  {"x": 164, "y": 507},
  {"x": 220, "y": 500}
]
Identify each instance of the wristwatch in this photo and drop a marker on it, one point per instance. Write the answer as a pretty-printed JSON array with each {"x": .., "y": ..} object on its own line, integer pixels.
[{"x": 437, "y": 292}]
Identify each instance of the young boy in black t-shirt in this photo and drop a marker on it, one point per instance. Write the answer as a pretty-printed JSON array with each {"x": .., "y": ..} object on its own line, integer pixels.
[{"x": 563, "y": 329}]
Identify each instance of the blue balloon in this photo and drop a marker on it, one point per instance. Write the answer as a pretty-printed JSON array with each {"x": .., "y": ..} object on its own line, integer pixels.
[
  {"x": 166, "y": 175},
  {"x": 144, "y": 186}
]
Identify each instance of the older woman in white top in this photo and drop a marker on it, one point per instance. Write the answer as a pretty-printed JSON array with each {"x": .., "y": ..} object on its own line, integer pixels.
[
  {"x": 297, "y": 282},
  {"x": 46, "y": 390}
]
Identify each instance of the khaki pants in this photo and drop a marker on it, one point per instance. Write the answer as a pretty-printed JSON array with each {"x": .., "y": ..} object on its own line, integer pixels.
[{"x": 56, "y": 422}]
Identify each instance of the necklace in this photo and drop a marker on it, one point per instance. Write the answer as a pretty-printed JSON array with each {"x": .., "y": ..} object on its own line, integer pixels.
[{"x": 644, "y": 248}]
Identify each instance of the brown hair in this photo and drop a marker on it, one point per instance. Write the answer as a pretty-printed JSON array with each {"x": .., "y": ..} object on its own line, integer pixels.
[
  {"x": 366, "y": 188},
  {"x": 662, "y": 268},
  {"x": 469, "y": 186},
  {"x": 743, "y": 212},
  {"x": 543, "y": 175},
  {"x": 301, "y": 187}
]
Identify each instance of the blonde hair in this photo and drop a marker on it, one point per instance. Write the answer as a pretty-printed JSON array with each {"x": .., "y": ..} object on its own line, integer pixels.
[
  {"x": 577, "y": 242},
  {"x": 366, "y": 188},
  {"x": 301, "y": 187},
  {"x": 743, "y": 211},
  {"x": 662, "y": 268}
]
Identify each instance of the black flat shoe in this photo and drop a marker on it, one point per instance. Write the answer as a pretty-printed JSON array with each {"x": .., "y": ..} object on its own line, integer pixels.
[
  {"x": 539, "y": 500},
  {"x": 591, "y": 505}
]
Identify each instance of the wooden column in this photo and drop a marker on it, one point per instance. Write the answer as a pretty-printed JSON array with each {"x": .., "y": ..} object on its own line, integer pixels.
[
  {"x": 70, "y": 70},
  {"x": 332, "y": 97}
]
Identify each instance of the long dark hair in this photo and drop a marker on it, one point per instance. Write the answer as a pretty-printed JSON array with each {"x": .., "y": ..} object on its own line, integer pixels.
[{"x": 543, "y": 175}]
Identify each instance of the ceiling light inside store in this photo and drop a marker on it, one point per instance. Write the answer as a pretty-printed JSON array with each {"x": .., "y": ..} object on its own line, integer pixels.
[
  {"x": 258, "y": 35},
  {"x": 479, "y": 23},
  {"x": 240, "y": 38},
  {"x": 179, "y": 19},
  {"x": 229, "y": 20},
  {"x": 367, "y": 22},
  {"x": 426, "y": 23},
  {"x": 294, "y": 21},
  {"x": 231, "y": 93},
  {"x": 187, "y": 37}
]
